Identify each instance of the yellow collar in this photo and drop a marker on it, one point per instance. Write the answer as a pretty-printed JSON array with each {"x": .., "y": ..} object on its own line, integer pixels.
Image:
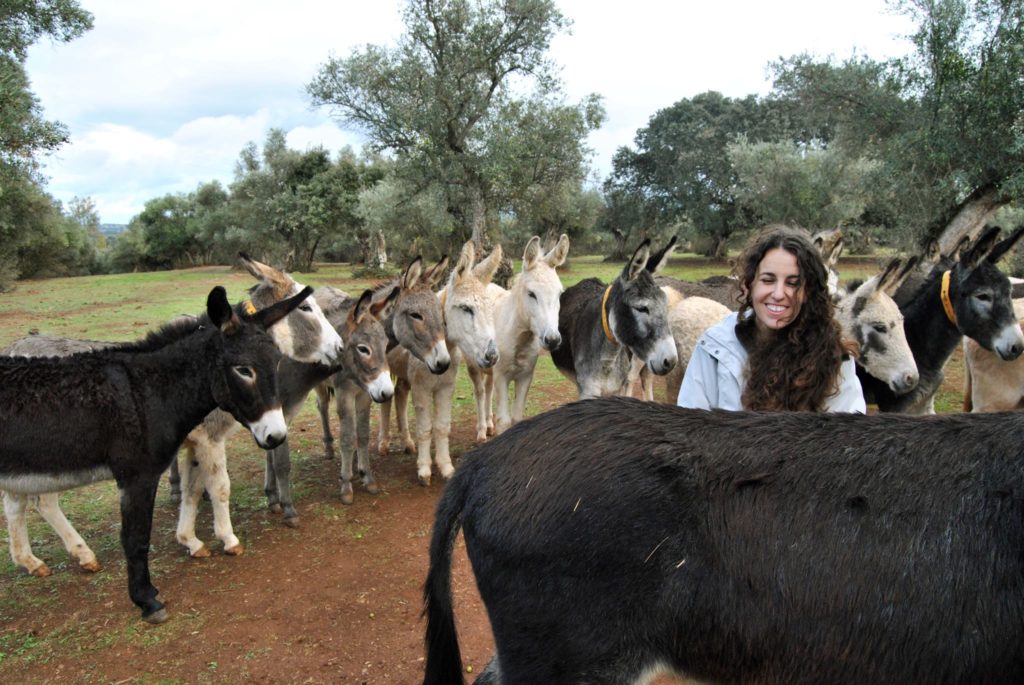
[
  {"x": 946, "y": 304},
  {"x": 604, "y": 317},
  {"x": 248, "y": 307}
]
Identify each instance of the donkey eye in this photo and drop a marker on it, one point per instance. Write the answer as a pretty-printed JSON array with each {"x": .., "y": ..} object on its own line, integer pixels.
[
  {"x": 305, "y": 307},
  {"x": 984, "y": 297},
  {"x": 244, "y": 372},
  {"x": 879, "y": 327},
  {"x": 642, "y": 309},
  {"x": 466, "y": 308},
  {"x": 532, "y": 295},
  {"x": 416, "y": 316},
  {"x": 364, "y": 350}
]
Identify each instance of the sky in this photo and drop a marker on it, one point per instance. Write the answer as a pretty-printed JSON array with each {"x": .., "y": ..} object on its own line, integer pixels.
[{"x": 161, "y": 96}]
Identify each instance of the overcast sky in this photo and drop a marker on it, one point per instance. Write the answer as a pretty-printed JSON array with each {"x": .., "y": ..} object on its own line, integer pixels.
[{"x": 162, "y": 95}]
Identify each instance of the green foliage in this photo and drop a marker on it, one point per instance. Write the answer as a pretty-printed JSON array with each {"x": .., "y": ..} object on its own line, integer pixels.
[
  {"x": 442, "y": 101},
  {"x": 945, "y": 122}
]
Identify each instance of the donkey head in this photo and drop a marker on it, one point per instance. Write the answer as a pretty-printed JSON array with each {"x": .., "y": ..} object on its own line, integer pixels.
[
  {"x": 305, "y": 334},
  {"x": 468, "y": 312},
  {"x": 638, "y": 310},
  {"x": 246, "y": 386},
  {"x": 539, "y": 290},
  {"x": 366, "y": 358},
  {"x": 980, "y": 295},
  {"x": 870, "y": 316},
  {"x": 415, "y": 321}
]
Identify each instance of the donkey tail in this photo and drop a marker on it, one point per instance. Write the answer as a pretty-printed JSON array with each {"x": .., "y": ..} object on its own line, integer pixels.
[{"x": 444, "y": 659}]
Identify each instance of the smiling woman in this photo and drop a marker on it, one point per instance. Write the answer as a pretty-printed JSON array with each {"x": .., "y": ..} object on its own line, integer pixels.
[{"x": 782, "y": 349}]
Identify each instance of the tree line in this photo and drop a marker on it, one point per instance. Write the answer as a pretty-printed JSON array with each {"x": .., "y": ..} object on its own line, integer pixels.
[{"x": 472, "y": 137}]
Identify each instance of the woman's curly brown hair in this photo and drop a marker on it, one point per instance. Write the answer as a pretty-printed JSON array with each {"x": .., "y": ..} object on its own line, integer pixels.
[{"x": 799, "y": 368}]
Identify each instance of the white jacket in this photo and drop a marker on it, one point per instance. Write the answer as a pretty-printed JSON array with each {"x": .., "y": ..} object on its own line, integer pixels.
[{"x": 715, "y": 376}]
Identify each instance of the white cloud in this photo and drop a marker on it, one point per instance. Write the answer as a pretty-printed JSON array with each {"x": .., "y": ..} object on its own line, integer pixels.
[{"x": 163, "y": 95}]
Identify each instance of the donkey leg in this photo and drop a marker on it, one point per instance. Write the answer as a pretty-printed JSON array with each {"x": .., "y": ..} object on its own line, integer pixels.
[
  {"x": 519, "y": 403},
  {"x": 483, "y": 410},
  {"x": 323, "y": 406},
  {"x": 16, "y": 511},
  {"x": 503, "y": 420},
  {"x": 421, "y": 407},
  {"x": 213, "y": 464},
  {"x": 49, "y": 509},
  {"x": 384, "y": 428},
  {"x": 489, "y": 402},
  {"x": 442, "y": 426},
  {"x": 189, "y": 507},
  {"x": 270, "y": 485},
  {"x": 345, "y": 399},
  {"x": 174, "y": 478},
  {"x": 282, "y": 464},
  {"x": 402, "y": 392},
  {"x": 137, "y": 500},
  {"x": 363, "y": 403}
]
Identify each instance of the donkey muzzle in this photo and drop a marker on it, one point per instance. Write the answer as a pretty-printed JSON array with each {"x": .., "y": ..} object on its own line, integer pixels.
[{"x": 271, "y": 429}]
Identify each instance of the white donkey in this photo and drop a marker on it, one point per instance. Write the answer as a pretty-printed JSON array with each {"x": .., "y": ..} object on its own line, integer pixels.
[
  {"x": 469, "y": 325},
  {"x": 525, "y": 321}
]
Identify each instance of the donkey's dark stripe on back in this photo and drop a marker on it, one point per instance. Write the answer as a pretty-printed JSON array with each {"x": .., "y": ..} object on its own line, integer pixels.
[{"x": 611, "y": 538}]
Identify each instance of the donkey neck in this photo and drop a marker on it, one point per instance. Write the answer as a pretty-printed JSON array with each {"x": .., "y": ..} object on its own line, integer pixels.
[{"x": 930, "y": 333}]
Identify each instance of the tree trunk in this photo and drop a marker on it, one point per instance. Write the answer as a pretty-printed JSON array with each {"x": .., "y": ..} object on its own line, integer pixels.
[
  {"x": 477, "y": 220},
  {"x": 968, "y": 219}
]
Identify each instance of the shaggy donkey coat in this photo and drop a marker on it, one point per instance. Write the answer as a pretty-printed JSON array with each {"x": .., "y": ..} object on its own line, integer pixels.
[
  {"x": 612, "y": 539},
  {"x": 121, "y": 413}
]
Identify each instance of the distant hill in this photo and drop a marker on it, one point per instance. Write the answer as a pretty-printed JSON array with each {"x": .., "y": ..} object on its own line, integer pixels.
[{"x": 112, "y": 229}]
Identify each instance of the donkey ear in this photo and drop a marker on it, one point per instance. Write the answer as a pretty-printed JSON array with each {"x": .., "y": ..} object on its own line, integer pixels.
[
  {"x": 219, "y": 310},
  {"x": 275, "y": 278},
  {"x": 486, "y": 269},
  {"x": 362, "y": 308},
  {"x": 638, "y": 261},
  {"x": 277, "y": 311},
  {"x": 831, "y": 255},
  {"x": 432, "y": 277},
  {"x": 558, "y": 254},
  {"x": 381, "y": 309},
  {"x": 897, "y": 279},
  {"x": 411, "y": 275},
  {"x": 1005, "y": 245},
  {"x": 981, "y": 248},
  {"x": 657, "y": 260},
  {"x": 466, "y": 260},
  {"x": 889, "y": 275},
  {"x": 532, "y": 253}
]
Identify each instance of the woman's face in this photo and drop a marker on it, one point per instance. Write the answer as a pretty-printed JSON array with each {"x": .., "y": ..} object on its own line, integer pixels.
[{"x": 777, "y": 292}]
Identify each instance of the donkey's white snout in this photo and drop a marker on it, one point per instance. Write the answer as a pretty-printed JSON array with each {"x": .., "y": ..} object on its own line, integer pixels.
[{"x": 271, "y": 430}]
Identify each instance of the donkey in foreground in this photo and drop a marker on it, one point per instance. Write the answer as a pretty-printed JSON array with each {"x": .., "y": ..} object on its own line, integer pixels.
[
  {"x": 738, "y": 547},
  {"x": 122, "y": 412},
  {"x": 966, "y": 297},
  {"x": 604, "y": 328}
]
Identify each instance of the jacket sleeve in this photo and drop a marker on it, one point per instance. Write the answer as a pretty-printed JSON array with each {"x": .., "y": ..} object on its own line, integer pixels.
[
  {"x": 699, "y": 389},
  {"x": 850, "y": 397}
]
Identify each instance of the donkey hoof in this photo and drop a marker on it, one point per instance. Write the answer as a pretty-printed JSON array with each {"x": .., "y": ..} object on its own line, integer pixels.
[
  {"x": 410, "y": 447},
  {"x": 347, "y": 496},
  {"x": 157, "y": 617},
  {"x": 373, "y": 488},
  {"x": 201, "y": 553},
  {"x": 235, "y": 551},
  {"x": 425, "y": 480},
  {"x": 291, "y": 521},
  {"x": 91, "y": 566},
  {"x": 41, "y": 571},
  {"x": 275, "y": 508}
]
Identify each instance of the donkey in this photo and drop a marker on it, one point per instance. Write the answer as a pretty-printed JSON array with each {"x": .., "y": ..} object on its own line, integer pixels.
[
  {"x": 966, "y": 297},
  {"x": 525, "y": 321},
  {"x": 304, "y": 336},
  {"x": 469, "y": 332},
  {"x": 365, "y": 377},
  {"x": 870, "y": 317},
  {"x": 414, "y": 324},
  {"x": 738, "y": 547},
  {"x": 991, "y": 384},
  {"x": 605, "y": 327},
  {"x": 121, "y": 413}
]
